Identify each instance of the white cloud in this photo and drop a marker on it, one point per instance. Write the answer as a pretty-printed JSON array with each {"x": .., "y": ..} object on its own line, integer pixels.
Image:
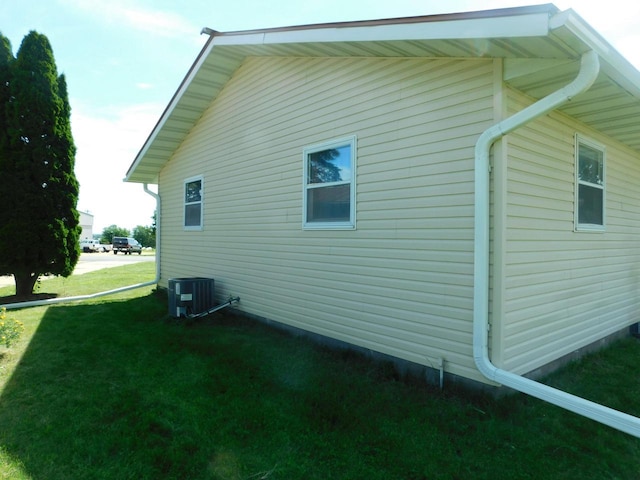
[
  {"x": 129, "y": 15},
  {"x": 107, "y": 141}
]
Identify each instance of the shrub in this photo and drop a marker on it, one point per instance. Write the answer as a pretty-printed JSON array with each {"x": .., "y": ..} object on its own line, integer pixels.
[{"x": 10, "y": 329}]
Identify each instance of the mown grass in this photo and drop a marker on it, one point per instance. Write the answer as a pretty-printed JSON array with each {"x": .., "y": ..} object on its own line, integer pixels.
[
  {"x": 86, "y": 283},
  {"x": 115, "y": 389}
]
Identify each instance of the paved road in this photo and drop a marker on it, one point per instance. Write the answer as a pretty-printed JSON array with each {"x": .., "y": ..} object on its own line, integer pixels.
[{"x": 96, "y": 261}]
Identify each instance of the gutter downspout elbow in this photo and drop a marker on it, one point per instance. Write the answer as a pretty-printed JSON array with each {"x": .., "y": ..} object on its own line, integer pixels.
[{"x": 589, "y": 70}]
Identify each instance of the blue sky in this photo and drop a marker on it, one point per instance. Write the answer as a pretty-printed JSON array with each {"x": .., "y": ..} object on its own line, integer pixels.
[{"x": 124, "y": 59}]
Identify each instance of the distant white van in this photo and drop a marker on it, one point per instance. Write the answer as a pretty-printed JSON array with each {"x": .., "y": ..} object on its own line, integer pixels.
[{"x": 89, "y": 245}]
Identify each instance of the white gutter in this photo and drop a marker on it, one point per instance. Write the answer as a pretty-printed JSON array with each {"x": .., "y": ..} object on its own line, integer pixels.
[
  {"x": 590, "y": 67},
  {"x": 78, "y": 298}
]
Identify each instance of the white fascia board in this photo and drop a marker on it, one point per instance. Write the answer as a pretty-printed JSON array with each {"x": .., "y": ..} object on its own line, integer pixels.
[
  {"x": 500, "y": 27},
  {"x": 239, "y": 39}
]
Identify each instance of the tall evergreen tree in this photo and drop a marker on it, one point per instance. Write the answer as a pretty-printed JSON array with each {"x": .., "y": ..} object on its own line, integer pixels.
[
  {"x": 39, "y": 223},
  {"x": 6, "y": 58}
]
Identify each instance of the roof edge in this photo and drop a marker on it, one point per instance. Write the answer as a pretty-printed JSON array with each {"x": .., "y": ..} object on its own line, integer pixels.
[
  {"x": 202, "y": 55},
  {"x": 249, "y": 35},
  {"x": 548, "y": 8}
]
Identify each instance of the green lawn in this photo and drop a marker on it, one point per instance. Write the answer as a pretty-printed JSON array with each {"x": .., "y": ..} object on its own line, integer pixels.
[{"x": 115, "y": 389}]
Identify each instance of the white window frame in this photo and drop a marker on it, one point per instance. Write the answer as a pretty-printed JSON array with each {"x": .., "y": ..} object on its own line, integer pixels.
[
  {"x": 589, "y": 227},
  {"x": 306, "y": 186},
  {"x": 197, "y": 178}
]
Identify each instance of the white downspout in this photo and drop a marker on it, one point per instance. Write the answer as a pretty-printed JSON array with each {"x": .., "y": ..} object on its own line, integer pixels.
[
  {"x": 589, "y": 69},
  {"x": 53, "y": 301},
  {"x": 158, "y": 216}
]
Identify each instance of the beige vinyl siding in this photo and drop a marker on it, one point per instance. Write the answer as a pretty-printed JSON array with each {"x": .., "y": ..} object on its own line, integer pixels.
[
  {"x": 565, "y": 289},
  {"x": 401, "y": 283}
]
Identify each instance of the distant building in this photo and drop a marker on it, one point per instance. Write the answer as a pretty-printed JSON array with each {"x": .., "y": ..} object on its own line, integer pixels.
[{"x": 86, "y": 222}]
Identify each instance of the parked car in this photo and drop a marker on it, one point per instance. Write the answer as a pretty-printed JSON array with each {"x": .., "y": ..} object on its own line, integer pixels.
[
  {"x": 126, "y": 245},
  {"x": 89, "y": 245},
  {"x": 104, "y": 247}
]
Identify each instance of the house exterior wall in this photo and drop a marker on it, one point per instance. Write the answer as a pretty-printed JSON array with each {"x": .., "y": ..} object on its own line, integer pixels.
[
  {"x": 401, "y": 283},
  {"x": 564, "y": 289}
]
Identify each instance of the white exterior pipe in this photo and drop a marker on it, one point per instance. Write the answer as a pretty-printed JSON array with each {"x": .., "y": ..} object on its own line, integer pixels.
[
  {"x": 226, "y": 304},
  {"x": 590, "y": 67},
  {"x": 158, "y": 216},
  {"x": 53, "y": 301}
]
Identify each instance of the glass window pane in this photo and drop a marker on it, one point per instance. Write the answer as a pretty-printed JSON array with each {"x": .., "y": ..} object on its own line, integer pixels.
[
  {"x": 193, "y": 191},
  {"x": 590, "y": 165},
  {"x": 192, "y": 215},
  {"x": 590, "y": 205},
  {"x": 331, "y": 165},
  {"x": 329, "y": 204}
]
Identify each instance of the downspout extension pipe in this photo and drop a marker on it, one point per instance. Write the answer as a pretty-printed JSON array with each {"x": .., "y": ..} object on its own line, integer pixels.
[
  {"x": 589, "y": 69},
  {"x": 78, "y": 298}
]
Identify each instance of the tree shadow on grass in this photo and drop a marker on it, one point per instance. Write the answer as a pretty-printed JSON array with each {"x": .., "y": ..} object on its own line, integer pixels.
[
  {"x": 27, "y": 298},
  {"x": 100, "y": 393},
  {"x": 112, "y": 390}
]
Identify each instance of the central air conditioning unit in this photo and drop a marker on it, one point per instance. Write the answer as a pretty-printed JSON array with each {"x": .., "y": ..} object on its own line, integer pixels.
[{"x": 190, "y": 296}]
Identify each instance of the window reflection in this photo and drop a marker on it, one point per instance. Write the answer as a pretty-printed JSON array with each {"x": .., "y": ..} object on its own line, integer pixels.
[
  {"x": 193, "y": 203},
  {"x": 590, "y": 169},
  {"x": 193, "y": 191},
  {"x": 331, "y": 165}
]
